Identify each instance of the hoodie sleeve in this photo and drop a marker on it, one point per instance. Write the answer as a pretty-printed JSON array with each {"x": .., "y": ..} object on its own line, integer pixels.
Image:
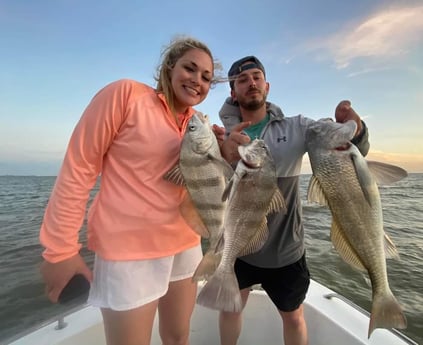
[{"x": 362, "y": 140}]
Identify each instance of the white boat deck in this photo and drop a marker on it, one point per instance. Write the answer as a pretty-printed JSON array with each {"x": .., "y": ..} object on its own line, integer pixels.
[{"x": 329, "y": 321}]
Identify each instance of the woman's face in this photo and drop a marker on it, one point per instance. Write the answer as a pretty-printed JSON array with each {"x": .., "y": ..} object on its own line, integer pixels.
[{"x": 191, "y": 79}]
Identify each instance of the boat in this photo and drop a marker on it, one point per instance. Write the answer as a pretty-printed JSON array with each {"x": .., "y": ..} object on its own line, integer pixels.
[{"x": 331, "y": 319}]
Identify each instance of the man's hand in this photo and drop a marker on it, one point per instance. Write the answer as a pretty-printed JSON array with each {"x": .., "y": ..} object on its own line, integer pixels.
[
  {"x": 345, "y": 112},
  {"x": 219, "y": 132},
  {"x": 229, "y": 147}
]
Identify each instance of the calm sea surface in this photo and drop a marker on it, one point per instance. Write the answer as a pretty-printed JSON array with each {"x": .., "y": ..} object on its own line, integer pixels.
[{"x": 22, "y": 300}]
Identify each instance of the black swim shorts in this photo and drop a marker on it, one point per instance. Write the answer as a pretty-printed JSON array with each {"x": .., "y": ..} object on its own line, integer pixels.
[{"x": 286, "y": 286}]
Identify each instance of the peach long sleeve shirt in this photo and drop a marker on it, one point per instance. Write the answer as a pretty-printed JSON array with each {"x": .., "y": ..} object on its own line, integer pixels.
[{"x": 129, "y": 136}]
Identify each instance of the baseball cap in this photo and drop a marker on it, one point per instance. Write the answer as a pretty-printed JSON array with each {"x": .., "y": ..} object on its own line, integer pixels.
[{"x": 240, "y": 65}]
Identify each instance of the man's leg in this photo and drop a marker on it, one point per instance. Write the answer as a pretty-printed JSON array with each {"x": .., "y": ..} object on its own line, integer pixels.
[
  {"x": 230, "y": 324},
  {"x": 294, "y": 327}
]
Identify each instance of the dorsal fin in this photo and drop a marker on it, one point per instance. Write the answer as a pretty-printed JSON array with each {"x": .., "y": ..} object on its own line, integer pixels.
[
  {"x": 175, "y": 176},
  {"x": 315, "y": 192},
  {"x": 277, "y": 203},
  {"x": 258, "y": 240}
]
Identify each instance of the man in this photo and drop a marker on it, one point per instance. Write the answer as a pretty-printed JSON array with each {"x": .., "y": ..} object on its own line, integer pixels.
[{"x": 280, "y": 266}]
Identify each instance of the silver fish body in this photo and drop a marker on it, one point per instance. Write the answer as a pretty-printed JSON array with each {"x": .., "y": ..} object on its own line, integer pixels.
[
  {"x": 253, "y": 193},
  {"x": 205, "y": 175},
  {"x": 343, "y": 180}
]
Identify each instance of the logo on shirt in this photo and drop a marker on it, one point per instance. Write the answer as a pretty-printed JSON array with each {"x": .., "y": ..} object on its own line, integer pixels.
[{"x": 279, "y": 139}]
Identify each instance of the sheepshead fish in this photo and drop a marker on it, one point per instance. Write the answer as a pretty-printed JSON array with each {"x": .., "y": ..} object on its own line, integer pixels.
[
  {"x": 205, "y": 174},
  {"x": 345, "y": 182},
  {"x": 253, "y": 193}
]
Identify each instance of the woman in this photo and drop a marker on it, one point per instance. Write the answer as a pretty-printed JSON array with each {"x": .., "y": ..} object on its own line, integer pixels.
[{"x": 145, "y": 252}]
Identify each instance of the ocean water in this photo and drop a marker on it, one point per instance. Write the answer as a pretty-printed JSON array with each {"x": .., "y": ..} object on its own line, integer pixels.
[{"x": 24, "y": 305}]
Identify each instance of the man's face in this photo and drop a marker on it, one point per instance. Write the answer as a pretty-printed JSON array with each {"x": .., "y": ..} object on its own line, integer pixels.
[{"x": 250, "y": 89}]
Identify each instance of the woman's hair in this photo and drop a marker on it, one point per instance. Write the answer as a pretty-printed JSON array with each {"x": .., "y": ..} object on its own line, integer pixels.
[{"x": 170, "y": 55}]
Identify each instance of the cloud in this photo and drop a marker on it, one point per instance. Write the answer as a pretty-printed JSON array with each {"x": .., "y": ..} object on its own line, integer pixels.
[{"x": 388, "y": 34}]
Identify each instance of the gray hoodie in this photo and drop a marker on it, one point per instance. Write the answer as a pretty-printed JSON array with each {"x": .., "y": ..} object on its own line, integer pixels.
[{"x": 285, "y": 137}]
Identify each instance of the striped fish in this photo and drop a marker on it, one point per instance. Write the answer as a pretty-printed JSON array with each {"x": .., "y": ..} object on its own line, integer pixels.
[
  {"x": 205, "y": 174},
  {"x": 253, "y": 193}
]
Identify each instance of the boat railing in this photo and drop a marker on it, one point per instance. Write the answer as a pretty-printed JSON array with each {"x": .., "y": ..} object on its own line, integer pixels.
[
  {"x": 365, "y": 312},
  {"x": 59, "y": 319}
]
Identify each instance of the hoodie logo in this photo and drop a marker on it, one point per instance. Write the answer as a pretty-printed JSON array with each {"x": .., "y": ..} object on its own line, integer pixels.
[{"x": 281, "y": 139}]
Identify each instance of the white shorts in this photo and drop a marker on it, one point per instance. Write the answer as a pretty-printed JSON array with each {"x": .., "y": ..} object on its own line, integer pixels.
[{"x": 125, "y": 285}]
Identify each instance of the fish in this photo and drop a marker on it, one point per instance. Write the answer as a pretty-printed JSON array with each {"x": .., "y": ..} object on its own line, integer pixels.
[
  {"x": 343, "y": 180},
  {"x": 252, "y": 194},
  {"x": 205, "y": 174}
]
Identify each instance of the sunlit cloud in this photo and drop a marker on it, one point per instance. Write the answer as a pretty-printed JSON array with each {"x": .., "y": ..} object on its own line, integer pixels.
[
  {"x": 384, "y": 36},
  {"x": 389, "y": 33},
  {"x": 366, "y": 71}
]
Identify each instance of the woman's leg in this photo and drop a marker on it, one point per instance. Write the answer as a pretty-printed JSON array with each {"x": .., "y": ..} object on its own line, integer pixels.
[
  {"x": 175, "y": 310},
  {"x": 129, "y": 327}
]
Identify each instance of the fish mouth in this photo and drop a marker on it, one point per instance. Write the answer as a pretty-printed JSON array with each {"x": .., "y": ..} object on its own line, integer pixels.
[
  {"x": 202, "y": 145},
  {"x": 250, "y": 160},
  {"x": 251, "y": 164},
  {"x": 343, "y": 147}
]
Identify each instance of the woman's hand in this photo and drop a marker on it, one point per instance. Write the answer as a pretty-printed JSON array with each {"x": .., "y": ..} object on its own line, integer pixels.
[{"x": 57, "y": 275}]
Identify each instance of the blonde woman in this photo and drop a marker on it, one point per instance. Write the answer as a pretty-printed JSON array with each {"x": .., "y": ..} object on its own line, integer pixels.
[{"x": 131, "y": 133}]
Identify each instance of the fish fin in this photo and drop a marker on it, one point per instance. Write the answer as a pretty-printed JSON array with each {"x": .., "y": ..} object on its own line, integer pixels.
[
  {"x": 315, "y": 192},
  {"x": 227, "y": 191},
  {"x": 221, "y": 292},
  {"x": 174, "y": 175},
  {"x": 232, "y": 184},
  {"x": 277, "y": 203},
  {"x": 390, "y": 248},
  {"x": 386, "y": 313},
  {"x": 344, "y": 248},
  {"x": 365, "y": 179},
  {"x": 192, "y": 217},
  {"x": 227, "y": 170},
  {"x": 385, "y": 174},
  {"x": 207, "y": 266},
  {"x": 257, "y": 241},
  {"x": 220, "y": 242}
]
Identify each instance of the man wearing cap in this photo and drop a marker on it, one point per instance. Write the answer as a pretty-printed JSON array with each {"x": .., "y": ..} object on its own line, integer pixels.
[{"x": 280, "y": 265}]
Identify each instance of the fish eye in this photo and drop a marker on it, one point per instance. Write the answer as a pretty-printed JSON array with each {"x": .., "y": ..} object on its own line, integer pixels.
[{"x": 191, "y": 128}]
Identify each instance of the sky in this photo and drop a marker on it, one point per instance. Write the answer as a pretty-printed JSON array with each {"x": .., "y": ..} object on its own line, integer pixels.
[{"x": 56, "y": 54}]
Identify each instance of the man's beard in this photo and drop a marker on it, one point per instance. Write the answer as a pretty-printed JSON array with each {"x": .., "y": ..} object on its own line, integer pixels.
[{"x": 253, "y": 105}]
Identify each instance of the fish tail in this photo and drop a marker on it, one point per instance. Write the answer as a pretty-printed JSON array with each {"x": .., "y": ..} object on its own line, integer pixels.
[
  {"x": 221, "y": 292},
  {"x": 206, "y": 267},
  {"x": 386, "y": 313}
]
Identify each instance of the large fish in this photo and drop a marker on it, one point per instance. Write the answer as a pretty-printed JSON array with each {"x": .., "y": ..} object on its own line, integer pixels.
[
  {"x": 253, "y": 193},
  {"x": 205, "y": 174},
  {"x": 347, "y": 183}
]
